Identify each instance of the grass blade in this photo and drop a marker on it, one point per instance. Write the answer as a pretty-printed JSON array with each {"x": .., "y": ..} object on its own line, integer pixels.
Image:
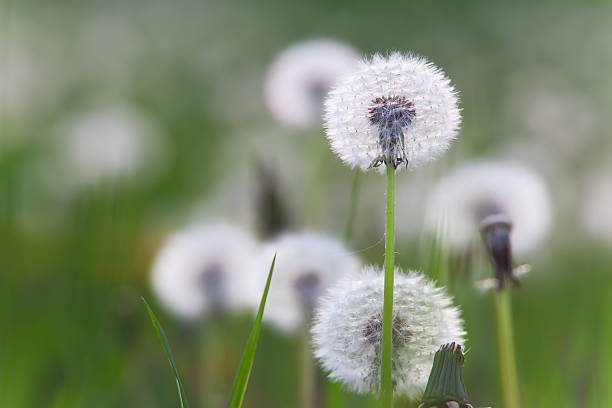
[
  {"x": 246, "y": 363},
  {"x": 166, "y": 345}
]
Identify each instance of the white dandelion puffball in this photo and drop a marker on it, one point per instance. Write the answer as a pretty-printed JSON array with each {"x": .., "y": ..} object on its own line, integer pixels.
[
  {"x": 108, "y": 143},
  {"x": 347, "y": 332},
  {"x": 399, "y": 110},
  {"x": 307, "y": 263},
  {"x": 596, "y": 213},
  {"x": 470, "y": 193},
  {"x": 205, "y": 269},
  {"x": 301, "y": 76}
]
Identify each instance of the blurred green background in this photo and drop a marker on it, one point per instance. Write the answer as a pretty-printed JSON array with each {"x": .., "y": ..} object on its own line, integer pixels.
[{"x": 535, "y": 85}]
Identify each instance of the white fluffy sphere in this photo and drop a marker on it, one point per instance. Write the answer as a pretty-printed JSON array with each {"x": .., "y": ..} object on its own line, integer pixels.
[
  {"x": 400, "y": 106},
  {"x": 207, "y": 268},
  {"x": 348, "y": 330},
  {"x": 307, "y": 263},
  {"x": 513, "y": 189},
  {"x": 300, "y": 77}
]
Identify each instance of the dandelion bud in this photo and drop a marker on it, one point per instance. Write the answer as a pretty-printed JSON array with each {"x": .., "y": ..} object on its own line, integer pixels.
[
  {"x": 399, "y": 110},
  {"x": 347, "y": 333},
  {"x": 445, "y": 387}
]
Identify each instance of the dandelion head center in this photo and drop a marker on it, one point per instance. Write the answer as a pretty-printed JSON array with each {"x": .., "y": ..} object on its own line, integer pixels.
[
  {"x": 211, "y": 281},
  {"x": 391, "y": 115},
  {"x": 318, "y": 89},
  {"x": 308, "y": 285},
  {"x": 391, "y": 111},
  {"x": 372, "y": 331}
]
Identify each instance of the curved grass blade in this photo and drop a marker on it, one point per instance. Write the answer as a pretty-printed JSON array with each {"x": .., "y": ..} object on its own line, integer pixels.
[
  {"x": 166, "y": 345},
  {"x": 246, "y": 363}
]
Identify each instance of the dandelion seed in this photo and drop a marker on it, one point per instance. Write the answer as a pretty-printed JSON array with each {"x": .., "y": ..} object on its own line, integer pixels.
[
  {"x": 348, "y": 325},
  {"x": 300, "y": 78},
  {"x": 306, "y": 265},
  {"x": 206, "y": 269},
  {"x": 399, "y": 110}
]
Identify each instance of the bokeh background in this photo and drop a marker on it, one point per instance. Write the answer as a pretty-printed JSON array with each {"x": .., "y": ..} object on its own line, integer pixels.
[{"x": 75, "y": 258}]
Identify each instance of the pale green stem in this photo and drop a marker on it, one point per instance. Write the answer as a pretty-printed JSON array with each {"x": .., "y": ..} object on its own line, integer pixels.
[
  {"x": 350, "y": 218},
  {"x": 307, "y": 379},
  {"x": 505, "y": 349},
  {"x": 386, "y": 383}
]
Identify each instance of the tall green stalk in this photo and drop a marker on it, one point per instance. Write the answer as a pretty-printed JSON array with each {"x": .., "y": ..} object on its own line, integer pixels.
[
  {"x": 386, "y": 383},
  {"x": 505, "y": 349}
]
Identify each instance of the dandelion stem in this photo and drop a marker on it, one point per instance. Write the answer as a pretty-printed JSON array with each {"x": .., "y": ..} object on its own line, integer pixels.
[
  {"x": 352, "y": 209},
  {"x": 307, "y": 380},
  {"x": 386, "y": 384},
  {"x": 505, "y": 343}
]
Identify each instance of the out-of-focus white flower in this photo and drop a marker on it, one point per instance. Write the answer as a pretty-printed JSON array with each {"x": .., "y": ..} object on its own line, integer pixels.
[
  {"x": 472, "y": 192},
  {"x": 596, "y": 213},
  {"x": 207, "y": 268},
  {"x": 307, "y": 263},
  {"x": 108, "y": 143},
  {"x": 300, "y": 77},
  {"x": 400, "y": 110},
  {"x": 348, "y": 330}
]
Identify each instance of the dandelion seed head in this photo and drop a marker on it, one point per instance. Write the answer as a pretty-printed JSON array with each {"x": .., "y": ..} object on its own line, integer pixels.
[
  {"x": 108, "y": 143},
  {"x": 300, "y": 78},
  {"x": 399, "y": 109},
  {"x": 206, "y": 269},
  {"x": 475, "y": 191},
  {"x": 347, "y": 331},
  {"x": 307, "y": 263}
]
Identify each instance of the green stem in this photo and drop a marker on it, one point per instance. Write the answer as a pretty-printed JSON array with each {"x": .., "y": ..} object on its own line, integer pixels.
[
  {"x": 350, "y": 218},
  {"x": 386, "y": 383},
  {"x": 307, "y": 383},
  {"x": 505, "y": 342}
]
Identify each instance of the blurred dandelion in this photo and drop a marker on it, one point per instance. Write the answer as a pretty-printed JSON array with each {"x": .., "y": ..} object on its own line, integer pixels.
[
  {"x": 109, "y": 143},
  {"x": 475, "y": 191},
  {"x": 397, "y": 110},
  {"x": 300, "y": 78},
  {"x": 348, "y": 330},
  {"x": 207, "y": 269},
  {"x": 308, "y": 263}
]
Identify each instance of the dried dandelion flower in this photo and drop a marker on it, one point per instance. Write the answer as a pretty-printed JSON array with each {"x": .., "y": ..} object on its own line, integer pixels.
[
  {"x": 207, "y": 269},
  {"x": 307, "y": 264},
  {"x": 348, "y": 330},
  {"x": 301, "y": 76},
  {"x": 396, "y": 110}
]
